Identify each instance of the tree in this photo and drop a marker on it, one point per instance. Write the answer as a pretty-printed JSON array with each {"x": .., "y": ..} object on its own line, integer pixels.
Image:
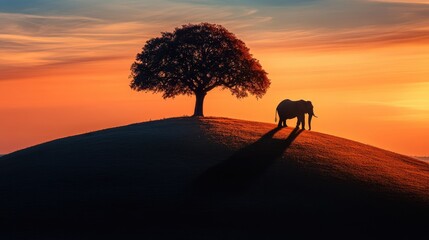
[{"x": 195, "y": 59}]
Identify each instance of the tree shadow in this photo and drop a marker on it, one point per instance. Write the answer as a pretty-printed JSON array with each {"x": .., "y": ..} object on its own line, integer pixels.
[{"x": 246, "y": 165}]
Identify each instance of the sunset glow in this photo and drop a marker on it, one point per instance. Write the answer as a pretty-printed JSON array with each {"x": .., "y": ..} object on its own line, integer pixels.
[{"x": 364, "y": 65}]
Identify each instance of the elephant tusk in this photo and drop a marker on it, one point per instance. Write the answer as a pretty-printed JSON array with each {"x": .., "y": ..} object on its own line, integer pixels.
[{"x": 314, "y": 115}]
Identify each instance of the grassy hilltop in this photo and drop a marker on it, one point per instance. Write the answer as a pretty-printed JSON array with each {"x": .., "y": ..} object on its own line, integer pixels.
[{"x": 211, "y": 178}]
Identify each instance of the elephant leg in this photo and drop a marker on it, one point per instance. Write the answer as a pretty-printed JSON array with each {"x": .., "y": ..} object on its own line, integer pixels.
[
  {"x": 303, "y": 122},
  {"x": 280, "y": 122},
  {"x": 284, "y": 123}
]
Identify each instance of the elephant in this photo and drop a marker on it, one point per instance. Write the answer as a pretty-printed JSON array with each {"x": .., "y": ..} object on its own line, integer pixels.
[{"x": 288, "y": 109}]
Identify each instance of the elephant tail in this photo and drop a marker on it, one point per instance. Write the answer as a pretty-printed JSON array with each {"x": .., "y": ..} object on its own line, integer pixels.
[{"x": 275, "y": 116}]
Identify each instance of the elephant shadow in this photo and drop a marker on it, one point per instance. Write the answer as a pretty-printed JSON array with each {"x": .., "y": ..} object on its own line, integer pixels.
[{"x": 245, "y": 166}]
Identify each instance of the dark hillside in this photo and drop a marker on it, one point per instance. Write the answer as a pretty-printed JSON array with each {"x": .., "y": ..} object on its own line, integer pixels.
[{"x": 211, "y": 178}]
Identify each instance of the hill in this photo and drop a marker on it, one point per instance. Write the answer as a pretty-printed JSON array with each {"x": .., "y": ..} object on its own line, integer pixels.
[
  {"x": 423, "y": 158},
  {"x": 211, "y": 178}
]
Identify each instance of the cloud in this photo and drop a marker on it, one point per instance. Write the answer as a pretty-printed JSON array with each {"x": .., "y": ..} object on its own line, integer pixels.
[
  {"x": 37, "y": 40},
  {"x": 358, "y": 38},
  {"x": 347, "y": 25},
  {"x": 402, "y": 101},
  {"x": 32, "y": 6},
  {"x": 49, "y": 32},
  {"x": 30, "y": 39},
  {"x": 255, "y": 2},
  {"x": 382, "y": 112},
  {"x": 404, "y": 1}
]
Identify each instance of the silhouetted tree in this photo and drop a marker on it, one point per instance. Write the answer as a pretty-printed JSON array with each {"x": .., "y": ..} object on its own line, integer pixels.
[{"x": 194, "y": 59}]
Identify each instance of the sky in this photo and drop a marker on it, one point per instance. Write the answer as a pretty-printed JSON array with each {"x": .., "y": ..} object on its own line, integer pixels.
[{"x": 65, "y": 66}]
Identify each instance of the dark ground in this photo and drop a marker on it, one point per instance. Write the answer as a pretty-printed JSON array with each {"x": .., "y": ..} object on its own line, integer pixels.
[{"x": 191, "y": 178}]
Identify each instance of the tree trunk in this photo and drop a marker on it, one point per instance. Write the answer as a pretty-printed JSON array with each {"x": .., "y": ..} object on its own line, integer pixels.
[{"x": 198, "y": 111}]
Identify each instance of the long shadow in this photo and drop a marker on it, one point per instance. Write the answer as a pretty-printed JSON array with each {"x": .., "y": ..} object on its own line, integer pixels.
[{"x": 243, "y": 167}]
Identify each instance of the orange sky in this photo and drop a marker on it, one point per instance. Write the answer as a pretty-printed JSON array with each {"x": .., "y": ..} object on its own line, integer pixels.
[{"x": 65, "y": 72}]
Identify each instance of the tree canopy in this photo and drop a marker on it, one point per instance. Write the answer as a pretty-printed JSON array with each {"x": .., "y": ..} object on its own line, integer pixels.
[{"x": 195, "y": 59}]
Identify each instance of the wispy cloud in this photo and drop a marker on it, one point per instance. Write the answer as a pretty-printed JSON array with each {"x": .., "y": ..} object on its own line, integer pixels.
[
  {"x": 404, "y": 1},
  {"x": 333, "y": 24},
  {"x": 41, "y": 34},
  {"x": 358, "y": 38},
  {"x": 35, "y": 39},
  {"x": 402, "y": 102},
  {"x": 30, "y": 39}
]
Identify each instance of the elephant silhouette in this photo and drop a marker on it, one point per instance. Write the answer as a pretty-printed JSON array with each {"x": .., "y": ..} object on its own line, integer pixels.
[{"x": 288, "y": 109}]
